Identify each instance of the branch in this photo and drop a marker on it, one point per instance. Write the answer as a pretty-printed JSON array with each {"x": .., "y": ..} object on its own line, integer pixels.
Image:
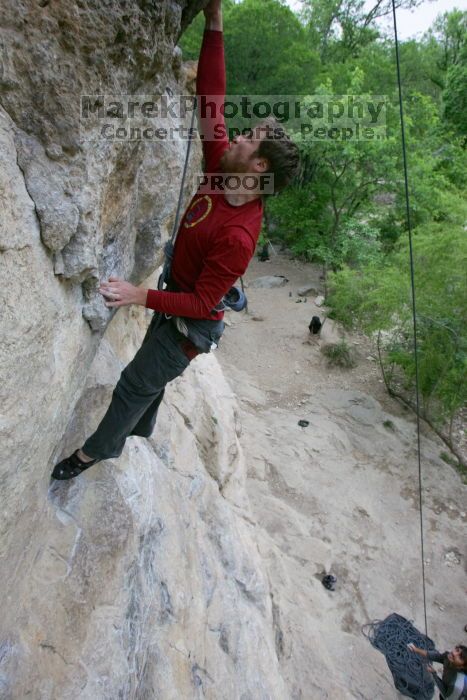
[
  {"x": 441, "y": 435},
  {"x": 445, "y": 438},
  {"x": 376, "y": 12}
]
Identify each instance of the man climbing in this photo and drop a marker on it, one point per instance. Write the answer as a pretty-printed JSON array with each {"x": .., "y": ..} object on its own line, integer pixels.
[
  {"x": 453, "y": 684},
  {"x": 216, "y": 241}
]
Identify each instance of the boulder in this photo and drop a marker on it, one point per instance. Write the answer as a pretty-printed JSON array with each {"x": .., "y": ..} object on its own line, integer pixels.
[
  {"x": 269, "y": 282},
  {"x": 330, "y": 334},
  {"x": 306, "y": 290}
]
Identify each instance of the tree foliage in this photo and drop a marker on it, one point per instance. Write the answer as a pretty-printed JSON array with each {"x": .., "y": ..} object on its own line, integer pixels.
[{"x": 377, "y": 297}]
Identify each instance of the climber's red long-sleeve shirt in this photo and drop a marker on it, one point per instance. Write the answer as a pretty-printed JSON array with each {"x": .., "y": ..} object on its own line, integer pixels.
[{"x": 215, "y": 240}]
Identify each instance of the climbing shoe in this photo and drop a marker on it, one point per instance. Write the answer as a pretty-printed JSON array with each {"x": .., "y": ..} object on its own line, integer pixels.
[{"x": 70, "y": 467}]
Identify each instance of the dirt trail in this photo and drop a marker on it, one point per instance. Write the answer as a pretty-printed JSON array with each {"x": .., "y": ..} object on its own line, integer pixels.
[{"x": 340, "y": 495}]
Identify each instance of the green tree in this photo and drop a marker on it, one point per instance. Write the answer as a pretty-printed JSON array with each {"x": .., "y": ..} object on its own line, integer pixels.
[
  {"x": 346, "y": 26},
  {"x": 190, "y": 42},
  {"x": 378, "y": 298},
  {"x": 347, "y": 208},
  {"x": 338, "y": 182},
  {"x": 266, "y": 50},
  {"x": 455, "y": 95},
  {"x": 450, "y": 33}
]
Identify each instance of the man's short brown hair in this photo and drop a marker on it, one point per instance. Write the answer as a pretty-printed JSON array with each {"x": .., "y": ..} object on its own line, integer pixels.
[
  {"x": 281, "y": 152},
  {"x": 463, "y": 653}
]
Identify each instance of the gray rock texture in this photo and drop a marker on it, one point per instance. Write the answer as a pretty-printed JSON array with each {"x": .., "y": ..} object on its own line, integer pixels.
[
  {"x": 319, "y": 301},
  {"x": 339, "y": 496},
  {"x": 306, "y": 290},
  {"x": 331, "y": 334},
  {"x": 103, "y": 206},
  {"x": 141, "y": 579},
  {"x": 269, "y": 282}
]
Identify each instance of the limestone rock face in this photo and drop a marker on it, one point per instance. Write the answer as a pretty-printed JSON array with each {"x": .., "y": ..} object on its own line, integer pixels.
[
  {"x": 102, "y": 205},
  {"x": 140, "y": 579}
]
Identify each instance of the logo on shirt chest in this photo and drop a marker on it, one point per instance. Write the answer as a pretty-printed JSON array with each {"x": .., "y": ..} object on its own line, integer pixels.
[{"x": 199, "y": 210}]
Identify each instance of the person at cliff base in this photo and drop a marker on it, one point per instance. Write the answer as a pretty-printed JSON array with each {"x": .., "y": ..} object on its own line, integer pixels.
[
  {"x": 453, "y": 684},
  {"x": 216, "y": 240}
]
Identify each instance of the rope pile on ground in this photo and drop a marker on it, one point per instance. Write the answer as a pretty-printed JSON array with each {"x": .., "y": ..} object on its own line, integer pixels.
[{"x": 390, "y": 637}]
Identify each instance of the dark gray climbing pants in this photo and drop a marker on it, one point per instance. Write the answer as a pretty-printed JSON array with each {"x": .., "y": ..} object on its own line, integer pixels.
[{"x": 139, "y": 392}]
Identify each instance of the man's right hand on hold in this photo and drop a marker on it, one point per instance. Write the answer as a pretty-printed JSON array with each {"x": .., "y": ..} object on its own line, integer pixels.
[
  {"x": 213, "y": 15},
  {"x": 214, "y": 7}
]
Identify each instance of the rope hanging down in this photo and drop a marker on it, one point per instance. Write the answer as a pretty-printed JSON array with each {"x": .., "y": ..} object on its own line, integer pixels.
[
  {"x": 391, "y": 636},
  {"x": 169, "y": 246},
  {"x": 414, "y": 310}
]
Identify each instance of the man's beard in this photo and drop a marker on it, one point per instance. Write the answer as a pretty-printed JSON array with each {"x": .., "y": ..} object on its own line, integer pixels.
[{"x": 231, "y": 165}]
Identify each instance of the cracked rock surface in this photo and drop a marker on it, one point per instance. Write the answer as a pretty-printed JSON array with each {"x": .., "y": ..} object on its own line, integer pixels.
[
  {"x": 102, "y": 205},
  {"x": 141, "y": 579}
]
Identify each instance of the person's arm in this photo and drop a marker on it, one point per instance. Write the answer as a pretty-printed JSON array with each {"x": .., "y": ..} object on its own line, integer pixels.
[
  {"x": 432, "y": 655},
  {"x": 210, "y": 88},
  {"x": 417, "y": 650},
  {"x": 429, "y": 655},
  {"x": 226, "y": 262},
  {"x": 213, "y": 15},
  {"x": 435, "y": 656}
]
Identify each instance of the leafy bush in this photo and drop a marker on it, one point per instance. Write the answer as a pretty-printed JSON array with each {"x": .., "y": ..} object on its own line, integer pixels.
[
  {"x": 378, "y": 298},
  {"x": 340, "y": 355},
  {"x": 300, "y": 221}
]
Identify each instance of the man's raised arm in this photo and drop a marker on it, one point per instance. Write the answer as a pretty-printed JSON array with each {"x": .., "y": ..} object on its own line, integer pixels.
[
  {"x": 210, "y": 88},
  {"x": 213, "y": 15}
]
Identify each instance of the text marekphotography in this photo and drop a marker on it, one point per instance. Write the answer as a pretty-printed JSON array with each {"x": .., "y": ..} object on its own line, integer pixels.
[{"x": 156, "y": 118}]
